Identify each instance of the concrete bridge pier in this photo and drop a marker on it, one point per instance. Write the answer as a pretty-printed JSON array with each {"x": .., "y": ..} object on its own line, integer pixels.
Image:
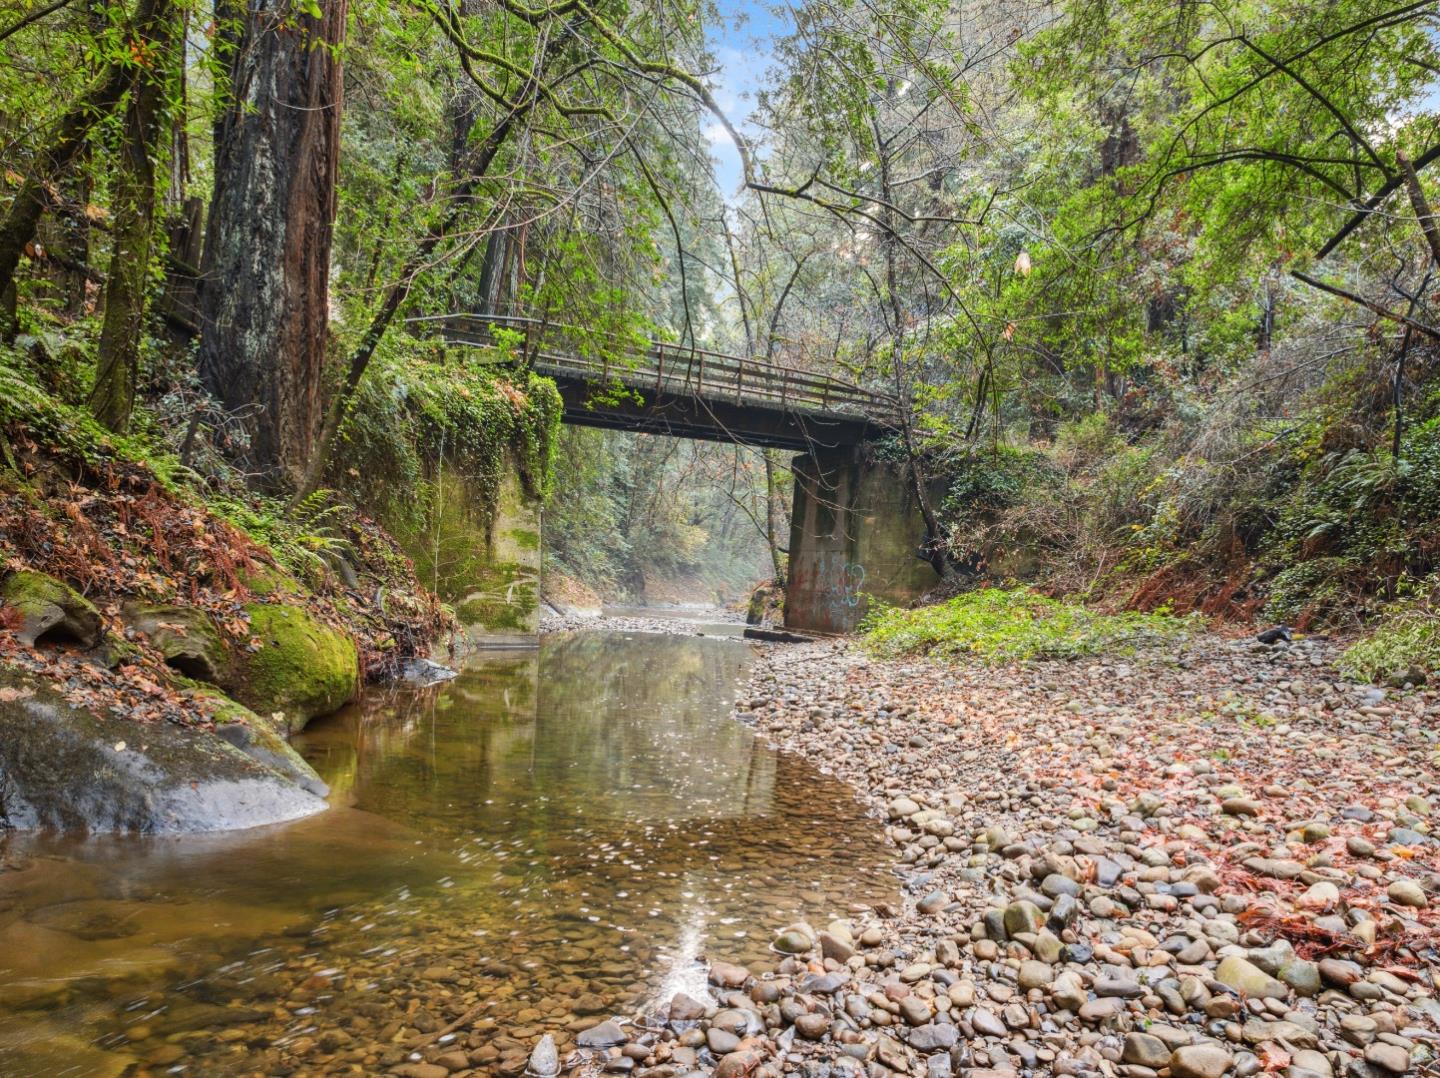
[{"x": 854, "y": 532}]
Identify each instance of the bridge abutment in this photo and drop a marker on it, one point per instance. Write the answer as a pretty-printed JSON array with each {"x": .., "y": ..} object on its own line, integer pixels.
[{"x": 854, "y": 532}]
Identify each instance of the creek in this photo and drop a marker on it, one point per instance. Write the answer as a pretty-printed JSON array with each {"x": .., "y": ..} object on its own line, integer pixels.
[{"x": 553, "y": 837}]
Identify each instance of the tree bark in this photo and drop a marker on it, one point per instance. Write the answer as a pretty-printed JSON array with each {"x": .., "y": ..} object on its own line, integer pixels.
[
  {"x": 113, "y": 398},
  {"x": 399, "y": 291},
  {"x": 264, "y": 297}
]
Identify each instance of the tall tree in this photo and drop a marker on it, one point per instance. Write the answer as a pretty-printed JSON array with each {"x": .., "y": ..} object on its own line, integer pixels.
[
  {"x": 264, "y": 300},
  {"x": 113, "y": 396}
]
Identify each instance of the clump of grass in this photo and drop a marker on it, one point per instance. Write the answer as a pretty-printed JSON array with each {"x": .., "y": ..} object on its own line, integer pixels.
[
  {"x": 1404, "y": 647},
  {"x": 1009, "y": 625}
]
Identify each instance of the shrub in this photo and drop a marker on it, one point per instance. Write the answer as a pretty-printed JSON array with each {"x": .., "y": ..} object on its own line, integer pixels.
[
  {"x": 1006, "y": 625},
  {"x": 1308, "y": 591},
  {"x": 1405, "y": 647}
]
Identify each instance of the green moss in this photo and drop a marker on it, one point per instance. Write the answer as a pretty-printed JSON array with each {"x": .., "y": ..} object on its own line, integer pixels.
[
  {"x": 269, "y": 582},
  {"x": 1000, "y": 625},
  {"x": 185, "y": 635},
  {"x": 525, "y": 538},
  {"x": 303, "y": 667},
  {"x": 47, "y": 604}
]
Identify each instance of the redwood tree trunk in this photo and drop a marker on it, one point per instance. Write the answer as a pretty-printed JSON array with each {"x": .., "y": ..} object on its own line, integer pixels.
[
  {"x": 264, "y": 300},
  {"x": 113, "y": 398}
]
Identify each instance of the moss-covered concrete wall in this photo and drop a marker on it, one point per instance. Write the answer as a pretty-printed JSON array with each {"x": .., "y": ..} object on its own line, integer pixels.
[
  {"x": 855, "y": 530},
  {"x": 485, "y": 564}
]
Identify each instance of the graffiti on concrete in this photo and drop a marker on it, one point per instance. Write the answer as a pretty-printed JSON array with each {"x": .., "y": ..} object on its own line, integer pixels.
[{"x": 844, "y": 593}]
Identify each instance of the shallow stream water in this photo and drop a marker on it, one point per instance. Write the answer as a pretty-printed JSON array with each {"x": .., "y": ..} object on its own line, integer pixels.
[{"x": 553, "y": 837}]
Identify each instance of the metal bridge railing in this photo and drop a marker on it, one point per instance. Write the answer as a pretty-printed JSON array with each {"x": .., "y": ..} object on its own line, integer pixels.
[{"x": 661, "y": 366}]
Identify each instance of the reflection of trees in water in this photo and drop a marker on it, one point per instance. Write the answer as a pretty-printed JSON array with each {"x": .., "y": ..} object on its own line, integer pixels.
[{"x": 605, "y": 776}]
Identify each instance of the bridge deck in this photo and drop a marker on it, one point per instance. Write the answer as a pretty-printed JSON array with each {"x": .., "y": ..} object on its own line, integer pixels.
[{"x": 685, "y": 391}]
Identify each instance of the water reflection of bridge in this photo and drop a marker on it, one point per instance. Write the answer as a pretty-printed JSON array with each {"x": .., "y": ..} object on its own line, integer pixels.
[{"x": 531, "y": 734}]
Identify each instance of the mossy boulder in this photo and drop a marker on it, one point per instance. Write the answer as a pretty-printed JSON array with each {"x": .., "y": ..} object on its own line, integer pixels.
[
  {"x": 51, "y": 608},
  {"x": 70, "y": 769},
  {"x": 185, "y": 635},
  {"x": 270, "y": 582},
  {"x": 260, "y": 738},
  {"x": 302, "y": 668}
]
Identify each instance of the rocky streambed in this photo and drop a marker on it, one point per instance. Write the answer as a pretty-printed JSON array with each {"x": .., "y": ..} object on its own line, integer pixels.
[
  {"x": 1188, "y": 864},
  {"x": 1216, "y": 862}
]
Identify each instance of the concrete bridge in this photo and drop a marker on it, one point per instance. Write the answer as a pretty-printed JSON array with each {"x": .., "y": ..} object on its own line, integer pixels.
[{"x": 855, "y": 524}]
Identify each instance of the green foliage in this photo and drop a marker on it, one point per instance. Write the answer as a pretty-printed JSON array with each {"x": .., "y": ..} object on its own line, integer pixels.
[
  {"x": 1357, "y": 522},
  {"x": 987, "y": 482},
  {"x": 1300, "y": 592},
  {"x": 420, "y": 407},
  {"x": 999, "y": 625},
  {"x": 38, "y": 382},
  {"x": 304, "y": 539},
  {"x": 1404, "y": 647}
]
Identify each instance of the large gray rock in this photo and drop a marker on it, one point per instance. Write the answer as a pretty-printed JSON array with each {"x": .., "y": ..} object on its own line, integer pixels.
[{"x": 65, "y": 768}]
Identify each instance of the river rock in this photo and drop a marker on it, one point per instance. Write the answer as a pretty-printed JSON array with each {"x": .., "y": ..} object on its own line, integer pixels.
[
  {"x": 1069, "y": 991},
  {"x": 68, "y": 769},
  {"x": 721, "y": 1041},
  {"x": 834, "y": 948},
  {"x": 606, "y": 1034},
  {"x": 1033, "y": 974},
  {"x": 1388, "y": 1057},
  {"x": 812, "y": 1027},
  {"x": 423, "y": 673},
  {"x": 1200, "y": 1061},
  {"x": 728, "y": 975},
  {"x": 793, "y": 941},
  {"x": 1023, "y": 916},
  {"x": 1407, "y": 893},
  {"x": 737, "y": 1064},
  {"x": 685, "y": 1008},
  {"x": 932, "y": 903},
  {"x": 986, "y": 1023},
  {"x": 934, "y": 1037},
  {"x": 1246, "y": 977},
  {"x": 1145, "y": 1050},
  {"x": 544, "y": 1059}
]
